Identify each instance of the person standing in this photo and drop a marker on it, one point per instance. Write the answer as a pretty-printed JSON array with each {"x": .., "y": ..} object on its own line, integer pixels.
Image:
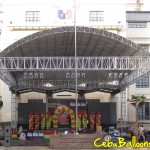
[{"x": 141, "y": 132}]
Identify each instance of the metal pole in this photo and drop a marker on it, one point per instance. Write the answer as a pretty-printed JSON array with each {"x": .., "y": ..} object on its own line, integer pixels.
[
  {"x": 137, "y": 120},
  {"x": 76, "y": 85},
  {"x": 121, "y": 116}
]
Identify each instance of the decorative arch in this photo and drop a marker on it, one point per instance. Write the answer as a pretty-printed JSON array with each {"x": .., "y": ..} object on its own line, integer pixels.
[{"x": 59, "y": 110}]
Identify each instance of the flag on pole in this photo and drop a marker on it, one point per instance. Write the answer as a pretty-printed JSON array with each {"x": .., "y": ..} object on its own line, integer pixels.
[
  {"x": 65, "y": 14},
  {"x": 65, "y": 11}
]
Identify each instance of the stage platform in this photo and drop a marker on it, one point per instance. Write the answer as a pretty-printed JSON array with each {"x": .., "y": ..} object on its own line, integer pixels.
[
  {"x": 73, "y": 141},
  {"x": 30, "y": 143}
]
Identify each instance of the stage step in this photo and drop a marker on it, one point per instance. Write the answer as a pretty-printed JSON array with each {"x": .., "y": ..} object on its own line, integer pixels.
[
  {"x": 73, "y": 141},
  {"x": 29, "y": 143}
]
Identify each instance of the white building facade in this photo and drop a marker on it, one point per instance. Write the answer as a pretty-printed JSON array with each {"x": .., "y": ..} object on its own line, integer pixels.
[{"x": 127, "y": 18}]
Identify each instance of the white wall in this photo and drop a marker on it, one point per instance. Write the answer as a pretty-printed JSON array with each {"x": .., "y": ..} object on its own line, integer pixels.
[
  {"x": 5, "y": 114},
  {"x": 104, "y": 97},
  {"x": 116, "y": 98},
  {"x": 138, "y": 33},
  {"x": 14, "y": 15},
  {"x": 32, "y": 95},
  {"x": 1, "y": 88},
  {"x": 65, "y": 95}
]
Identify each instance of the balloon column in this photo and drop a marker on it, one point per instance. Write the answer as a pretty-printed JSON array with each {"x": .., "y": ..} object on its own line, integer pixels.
[
  {"x": 72, "y": 116},
  {"x": 55, "y": 118},
  {"x": 48, "y": 121},
  {"x": 98, "y": 118},
  {"x": 79, "y": 120},
  {"x": 31, "y": 121},
  {"x": 43, "y": 117},
  {"x": 84, "y": 120},
  {"x": 92, "y": 120},
  {"x": 37, "y": 121}
]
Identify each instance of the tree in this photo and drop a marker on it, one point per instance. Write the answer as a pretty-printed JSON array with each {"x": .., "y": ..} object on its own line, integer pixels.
[
  {"x": 137, "y": 101},
  {"x": 137, "y": 98}
]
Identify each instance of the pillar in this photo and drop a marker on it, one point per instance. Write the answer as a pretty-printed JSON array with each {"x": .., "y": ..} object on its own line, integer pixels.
[
  {"x": 14, "y": 109},
  {"x": 49, "y": 95}
]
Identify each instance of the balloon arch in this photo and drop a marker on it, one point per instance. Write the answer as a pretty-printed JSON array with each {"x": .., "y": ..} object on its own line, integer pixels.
[{"x": 59, "y": 110}]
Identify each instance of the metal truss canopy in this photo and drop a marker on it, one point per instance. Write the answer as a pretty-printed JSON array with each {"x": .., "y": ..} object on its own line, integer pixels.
[
  {"x": 68, "y": 63},
  {"x": 102, "y": 56},
  {"x": 102, "y": 34},
  {"x": 85, "y": 86},
  {"x": 138, "y": 66}
]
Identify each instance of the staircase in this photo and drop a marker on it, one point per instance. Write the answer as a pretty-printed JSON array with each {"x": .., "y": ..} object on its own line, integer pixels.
[{"x": 73, "y": 141}]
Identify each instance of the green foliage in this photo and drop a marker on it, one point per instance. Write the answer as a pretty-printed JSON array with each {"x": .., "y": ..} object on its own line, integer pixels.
[{"x": 135, "y": 98}]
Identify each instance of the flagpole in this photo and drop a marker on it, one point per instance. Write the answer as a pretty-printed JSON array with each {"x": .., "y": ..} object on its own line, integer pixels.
[{"x": 76, "y": 85}]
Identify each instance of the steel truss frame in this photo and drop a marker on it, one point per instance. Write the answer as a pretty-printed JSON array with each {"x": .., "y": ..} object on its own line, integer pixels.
[
  {"x": 7, "y": 78},
  {"x": 138, "y": 65},
  {"x": 134, "y": 64},
  {"x": 135, "y": 76},
  {"x": 66, "y": 85},
  {"x": 57, "y": 30},
  {"x": 68, "y": 63}
]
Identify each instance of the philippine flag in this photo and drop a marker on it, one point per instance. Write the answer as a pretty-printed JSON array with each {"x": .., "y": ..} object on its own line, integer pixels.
[
  {"x": 65, "y": 14},
  {"x": 65, "y": 11}
]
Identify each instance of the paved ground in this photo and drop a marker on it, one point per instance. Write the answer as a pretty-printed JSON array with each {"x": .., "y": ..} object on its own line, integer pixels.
[
  {"x": 47, "y": 148},
  {"x": 25, "y": 148}
]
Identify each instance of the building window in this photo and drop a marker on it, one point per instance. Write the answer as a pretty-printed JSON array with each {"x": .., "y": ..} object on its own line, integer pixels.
[
  {"x": 136, "y": 25},
  {"x": 96, "y": 16},
  {"x": 143, "y": 111},
  {"x": 145, "y": 47},
  {"x": 143, "y": 83},
  {"x": 32, "y": 16}
]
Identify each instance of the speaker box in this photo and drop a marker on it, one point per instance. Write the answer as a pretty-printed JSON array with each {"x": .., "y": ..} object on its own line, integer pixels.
[
  {"x": 7, "y": 141},
  {"x": 7, "y": 131}
]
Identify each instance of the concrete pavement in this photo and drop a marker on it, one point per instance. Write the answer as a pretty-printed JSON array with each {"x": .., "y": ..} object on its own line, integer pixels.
[{"x": 47, "y": 148}]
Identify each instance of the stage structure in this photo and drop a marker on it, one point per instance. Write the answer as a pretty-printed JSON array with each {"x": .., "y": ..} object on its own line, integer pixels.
[
  {"x": 44, "y": 62},
  {"x": 117, "y": 65}
]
